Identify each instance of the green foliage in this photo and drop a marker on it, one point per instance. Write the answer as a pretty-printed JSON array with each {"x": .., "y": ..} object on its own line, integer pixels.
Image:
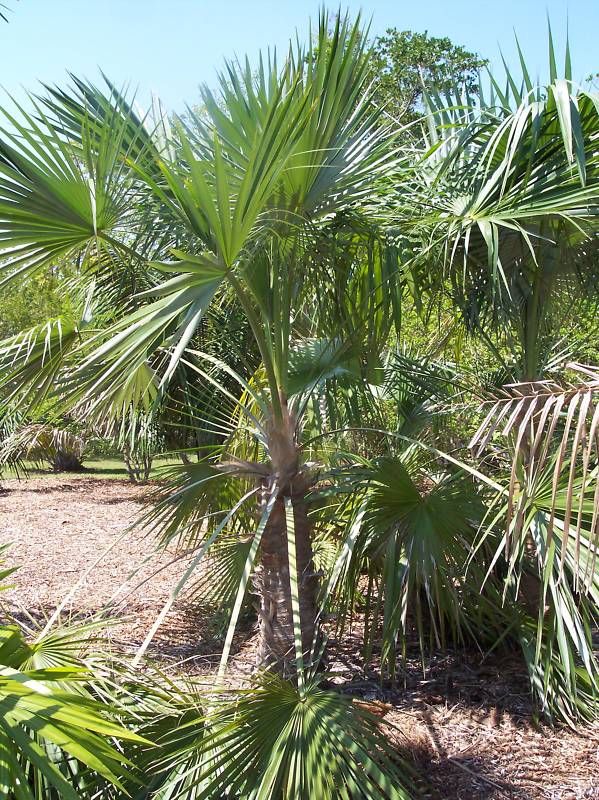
[
  {"x": 53, "y": 735},
  {"x": 407, "y": 63},
  {"x": 509, "y": 207},
  {"x": 33, "y": 302},
  {"x": 272, "y": 741},
  {"x": 271, "y": 244}
]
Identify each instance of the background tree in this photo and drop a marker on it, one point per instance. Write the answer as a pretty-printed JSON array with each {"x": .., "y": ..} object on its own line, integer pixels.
[
  {"x": 406, "y": 62},
  {"x": 44, "y": 296}
]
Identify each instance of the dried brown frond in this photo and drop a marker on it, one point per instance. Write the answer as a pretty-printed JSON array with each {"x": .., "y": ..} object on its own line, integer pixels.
[{"x": 551, "y": 427}]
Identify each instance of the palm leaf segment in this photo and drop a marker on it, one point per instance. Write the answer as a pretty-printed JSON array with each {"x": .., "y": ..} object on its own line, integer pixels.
[
  {"x": 553, "y": 430},
  {"x": 48, "y": 724},
  {"x": 57, "y": 200}
]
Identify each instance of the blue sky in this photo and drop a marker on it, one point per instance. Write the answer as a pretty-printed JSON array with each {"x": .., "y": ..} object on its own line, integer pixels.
[{"x": 169, "y": 47}]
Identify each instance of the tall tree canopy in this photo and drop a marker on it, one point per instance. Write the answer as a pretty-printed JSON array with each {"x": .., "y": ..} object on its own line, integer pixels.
[{"x": 406, "y": 61}]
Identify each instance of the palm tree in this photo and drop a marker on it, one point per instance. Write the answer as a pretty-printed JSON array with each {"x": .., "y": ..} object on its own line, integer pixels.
[
  {"x": 243, "y": 269},
  {"x": 508, "y": 199},
  {"x": 509, "y": 208},
  {"x": 260, "y": 198},
  {"x": 264, "y": 205}
]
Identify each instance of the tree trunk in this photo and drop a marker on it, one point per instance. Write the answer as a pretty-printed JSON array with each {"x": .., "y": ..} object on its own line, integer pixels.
[
  {"x": 277, "y": 645},
  {"x": 138, "y": 466}
]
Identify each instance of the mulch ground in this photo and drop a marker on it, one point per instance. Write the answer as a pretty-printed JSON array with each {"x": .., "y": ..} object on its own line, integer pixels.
[
  {"x": 58, "y": 528},
  {"x": 467, "y": 724}
]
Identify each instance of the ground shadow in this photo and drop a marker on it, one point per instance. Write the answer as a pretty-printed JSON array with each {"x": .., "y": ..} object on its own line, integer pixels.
[
  {"x": 83, "y": 484},
  {"x": 491, "y": 693},
  {"x": 107, "y": 471},
  {"x": 463, "y": 778}
]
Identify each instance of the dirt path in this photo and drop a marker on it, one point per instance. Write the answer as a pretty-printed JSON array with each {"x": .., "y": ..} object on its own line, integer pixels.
[{"x": 467, "y": 725}]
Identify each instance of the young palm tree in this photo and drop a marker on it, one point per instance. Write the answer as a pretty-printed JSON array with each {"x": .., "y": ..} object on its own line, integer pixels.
[
  {"x": 262, "y": 206},
  {"x": 262, "y": 201},
  {"x": 509, "y": 209}
]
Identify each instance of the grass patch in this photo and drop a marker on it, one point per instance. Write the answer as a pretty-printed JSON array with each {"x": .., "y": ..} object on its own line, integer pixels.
[{"x": 103, "y": 468}]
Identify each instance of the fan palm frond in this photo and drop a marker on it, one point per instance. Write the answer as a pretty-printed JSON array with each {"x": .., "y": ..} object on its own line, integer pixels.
[
  {"x": 272, "y": 741},
  {"x": 48, "y": 725}
]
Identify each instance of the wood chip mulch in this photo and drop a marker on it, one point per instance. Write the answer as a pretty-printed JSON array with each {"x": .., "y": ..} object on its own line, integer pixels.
[{"x": 467, "y": 725}]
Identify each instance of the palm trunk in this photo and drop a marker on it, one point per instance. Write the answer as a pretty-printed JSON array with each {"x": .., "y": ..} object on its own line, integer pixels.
[
  {"x": 530, "y": 590},
  {"x": 276, "y": 634}
]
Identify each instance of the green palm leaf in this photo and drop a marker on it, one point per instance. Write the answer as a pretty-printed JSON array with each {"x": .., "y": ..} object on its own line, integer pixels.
[
  {"x": 273, "y": 742},
  {"x": 45, "y": 719}
]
